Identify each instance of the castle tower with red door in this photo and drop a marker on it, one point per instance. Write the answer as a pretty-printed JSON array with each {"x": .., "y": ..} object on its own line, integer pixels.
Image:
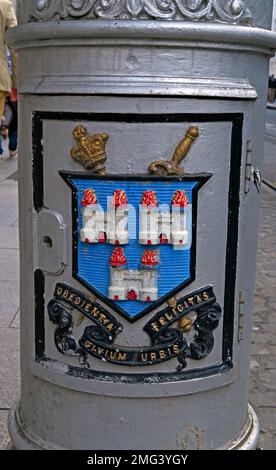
[{"x": 134, "y": 285}]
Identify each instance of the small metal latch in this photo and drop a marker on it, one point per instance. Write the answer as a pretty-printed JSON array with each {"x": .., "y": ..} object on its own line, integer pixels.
[
  {"x": 252, "y": 174},
  {"x": 248, "y": 167},
  {"x": 257, "y": 178},
  {"x": 241, "y": 317},
  {"x": 51, "y": 243}
]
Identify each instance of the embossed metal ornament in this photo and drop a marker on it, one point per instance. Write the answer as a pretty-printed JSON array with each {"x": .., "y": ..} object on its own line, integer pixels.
[
  {"x": 163, "y": 167},
  {"x": 223, "y": 11},
  {"x": 90, "y": 151},
  {"x": 99, "y": 339},
  {"x": 136, "y": 271}
]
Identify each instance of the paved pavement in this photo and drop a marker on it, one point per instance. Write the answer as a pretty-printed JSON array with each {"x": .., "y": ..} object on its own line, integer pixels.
[
  {"x": 270, "y": 149},
  {"x": 9, "y": 287},
  {"x": 263, "y": 362}
]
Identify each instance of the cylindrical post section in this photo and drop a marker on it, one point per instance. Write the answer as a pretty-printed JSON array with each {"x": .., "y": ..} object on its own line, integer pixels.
[{"x": 141, "y": 130}]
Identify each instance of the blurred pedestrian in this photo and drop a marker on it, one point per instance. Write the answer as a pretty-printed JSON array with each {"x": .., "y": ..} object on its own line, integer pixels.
[
  {"x": 9, "y": 127},
  {"x": 8, "y": 82}
]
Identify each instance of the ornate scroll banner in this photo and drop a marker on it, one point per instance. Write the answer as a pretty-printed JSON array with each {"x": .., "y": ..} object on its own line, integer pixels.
[
  {"x": 98, "y": 340},
  {"x": 173, "y": 344},
  {"x": 92, "y": 310},
  {"x": 64, "y": 341},
  {"x": 203, "y": 302},
  {"x": 223, "y": 11}
]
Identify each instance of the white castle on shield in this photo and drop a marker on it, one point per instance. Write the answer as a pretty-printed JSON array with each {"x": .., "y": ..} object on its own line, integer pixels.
[
  {"x": 165, "y": 224},
  {"x": 105, "y": 227},
  {"x": 157, "y": 224},
  {"x": 134, "y": 285}
]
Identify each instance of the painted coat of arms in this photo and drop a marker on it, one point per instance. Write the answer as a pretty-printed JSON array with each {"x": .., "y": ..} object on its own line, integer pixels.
[{"x": 134, "y": 249}]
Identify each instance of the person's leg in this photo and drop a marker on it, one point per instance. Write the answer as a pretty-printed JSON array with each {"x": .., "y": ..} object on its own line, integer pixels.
[
  {"x": 2, "y": 107},
  {"x": 12, "y": 141},
  {"x": 1, "y": 148},
  {"x": 13, "y": 130}
]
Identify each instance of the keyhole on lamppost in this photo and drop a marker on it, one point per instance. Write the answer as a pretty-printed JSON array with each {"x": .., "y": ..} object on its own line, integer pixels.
[{"x": 48, "y": 242}]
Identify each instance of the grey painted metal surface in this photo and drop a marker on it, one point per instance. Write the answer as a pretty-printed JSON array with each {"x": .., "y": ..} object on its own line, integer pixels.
[{"x": 143, "y": 83}]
